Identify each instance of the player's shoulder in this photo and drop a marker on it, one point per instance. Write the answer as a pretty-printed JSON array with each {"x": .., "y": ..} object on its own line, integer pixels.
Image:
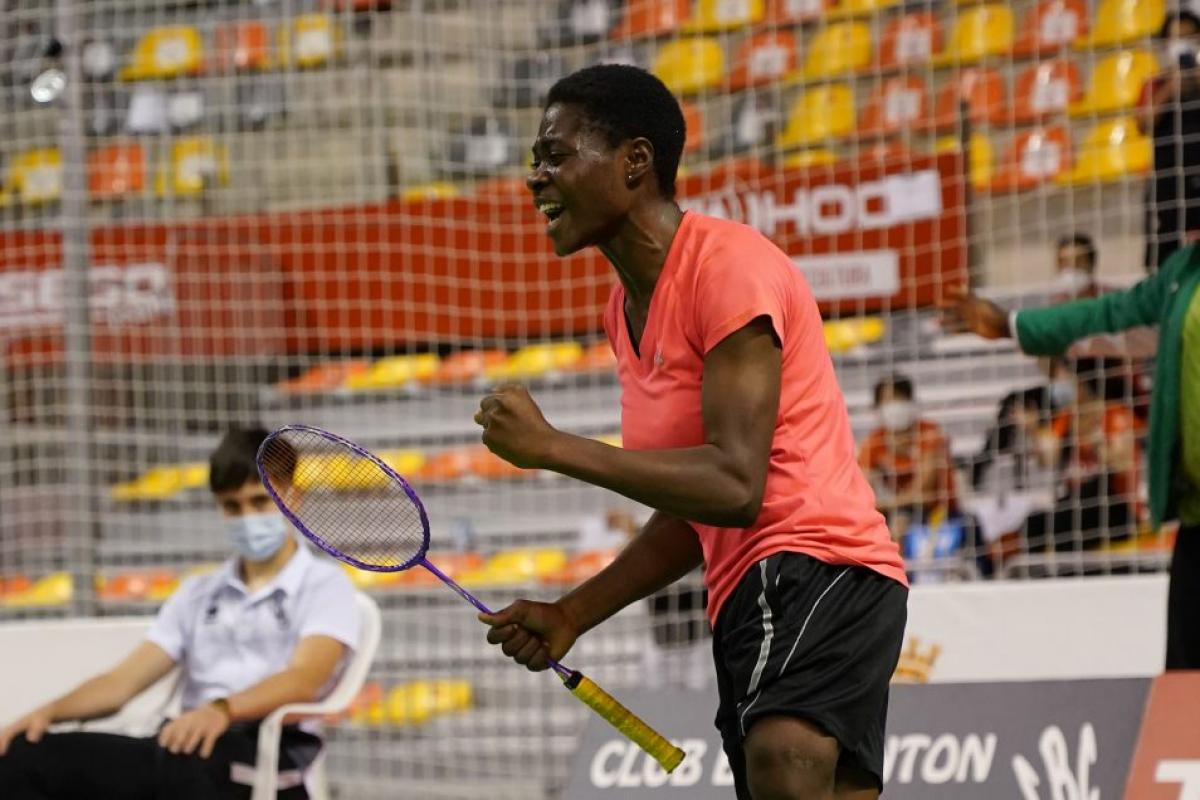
[
  {"x": 199, "y": 584},
  {"x": 325, "y": 574},
  {"x": 714, "y": 234},
  {"x": 720, "y": 248}
]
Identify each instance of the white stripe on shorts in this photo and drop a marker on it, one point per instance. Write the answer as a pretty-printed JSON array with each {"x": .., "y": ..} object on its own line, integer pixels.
[{"x": 764, "y": 650}]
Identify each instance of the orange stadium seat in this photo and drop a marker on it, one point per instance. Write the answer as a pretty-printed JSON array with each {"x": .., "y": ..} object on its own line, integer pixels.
[
  {"x": 467, "y": 366},
  {"x": 1033, "y": 158},
  {"x": 116, "y": 170},
  {"x": 693, "y": 118},
  {"x": 489, "y": 466},
  {"x": 690, "y": 65},
  {"x": 581, "y": 567},
  {"x": 649, "y": 18},
  {"x": 795, "y": 12},
  {"x": 596, "y": 357},
  {"x": 763, "y": 58},
  {"x": 1044, "y": 88},
  {"x": 165, "y": 52},
  {"x": 819, "y": 114},
  {"x": 35, "y": 176},
  {"x": 910, "y": 40},
  {"x": 884, "y": 153},
  {"x": 714, "y": 16},
  {"x": 1124, "y": 22},
  {"x": 983, "y": 92},
  {"x": 979, "y": 32},
  {"x": 837, "y": 49},
  {"x": 1050, "y": 26},
  {"x": 448, "y": 465},
  {"x": 860, "y": 8},
  {"x": 898, "y": 104},
  {"x": 242, "y": 45},
  {"x": 1116, "y": 82},
  {"x": 1112, "y": 150},
  {"x": 324, "y": 377}
]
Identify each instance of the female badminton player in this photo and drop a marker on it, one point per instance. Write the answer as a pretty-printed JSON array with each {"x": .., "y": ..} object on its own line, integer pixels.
[{"x": 735, "y": 431}]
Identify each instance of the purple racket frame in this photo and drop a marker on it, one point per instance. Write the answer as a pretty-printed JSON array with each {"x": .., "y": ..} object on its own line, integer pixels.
[{"x": 419, "y": 559}]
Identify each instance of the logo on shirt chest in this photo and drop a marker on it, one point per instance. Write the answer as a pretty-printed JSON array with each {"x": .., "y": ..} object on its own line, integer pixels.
[{"x": 658, "y": 357}]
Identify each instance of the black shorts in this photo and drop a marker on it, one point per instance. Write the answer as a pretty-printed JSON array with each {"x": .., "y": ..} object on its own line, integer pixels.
[{"x": 799, "y": 637}]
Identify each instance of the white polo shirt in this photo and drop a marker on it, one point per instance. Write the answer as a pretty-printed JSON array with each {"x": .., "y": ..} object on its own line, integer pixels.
[{"x": 227, "y": 640}]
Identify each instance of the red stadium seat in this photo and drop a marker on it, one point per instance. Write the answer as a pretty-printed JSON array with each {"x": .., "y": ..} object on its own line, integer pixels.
[
  {"x": 242, "y": 46},
  {"x": 1033, "y": 158},
  {"x": 467, "y": 366},
  {"x": 116, "y": 170},
  {"x": 693, "y": 119},
  {"x": 983, "y": 92},
  {"x": 648, "y": 18},
  {"x": 898, "y": 104},
  {"x": 1050, "y": 26},
  {"x": 910, "y": 40},
  {"x": 1046, "y": 88},
  {"x": 763, "y": 58}
]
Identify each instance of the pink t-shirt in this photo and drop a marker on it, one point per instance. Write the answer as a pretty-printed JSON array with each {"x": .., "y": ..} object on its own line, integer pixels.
[{"x": 719, "y": 276}]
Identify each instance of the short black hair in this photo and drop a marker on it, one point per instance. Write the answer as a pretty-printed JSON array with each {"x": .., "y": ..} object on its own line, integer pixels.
[
  {"x": 232, "y": 464},
  {"x": 625, "y": 102},
  {"x": 900, "y": 385},
  {"x": 1084, "y": 243},
  {"x": 1181, "y": 16}
]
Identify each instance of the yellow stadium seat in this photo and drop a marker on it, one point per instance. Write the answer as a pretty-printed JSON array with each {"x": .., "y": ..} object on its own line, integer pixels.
[
  {"x": 979, "y": 32},
  {"x": 821, "y": 113},
  {"x": 981, "y": 157},
  {"x": 1124, "y": 21},
  {"x": 406, "y": 462},
  {"x": 860, "y": 8},
  {"x": 1116, "y": 83},
  {"x": 54, "y": 589},
  {"x": 846, "y": 334},
  {"x": 690, "y": 65},
  {"x": 817, "y": 157},
  {"x": 1112, "y": 150},
  {"x": 310, "y": 41},
  {"x": 837, "y": 49},
  {"x": 35, "y": 176},
  {"x": 535, "y": 360},
  {"x": 712, "y": 16},
  {"x": 395, "y": 371},
  {"x": 196, "y": 163},
  {"x": 165, "y": 52},
  {"x": 517, "y": 566},
  {"x": 436, "y": 190}
]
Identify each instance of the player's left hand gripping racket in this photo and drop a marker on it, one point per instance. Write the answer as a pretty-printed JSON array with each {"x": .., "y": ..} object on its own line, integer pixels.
[{"x": 308, "y": 471}]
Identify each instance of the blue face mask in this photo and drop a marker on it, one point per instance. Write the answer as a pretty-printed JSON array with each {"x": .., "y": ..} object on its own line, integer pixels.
[
  {"x": 257, "y": 537},
  {"x": 1062, "y": 393}
]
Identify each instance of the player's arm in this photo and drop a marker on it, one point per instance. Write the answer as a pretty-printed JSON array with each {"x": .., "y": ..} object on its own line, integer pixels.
[
  {"x": 720, "y": 482},
  {"x": 665, "y": 550},
  {"x": 96, "y": 697},
  {"x": 310, "y": 669}
]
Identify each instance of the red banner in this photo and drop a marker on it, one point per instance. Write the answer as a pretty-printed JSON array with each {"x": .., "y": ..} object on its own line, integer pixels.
[
  {"x": 868, "y": 236},
  {"x": 1166, "y": 763}
]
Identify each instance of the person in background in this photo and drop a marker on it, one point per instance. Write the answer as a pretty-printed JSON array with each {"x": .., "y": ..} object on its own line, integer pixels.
[
  {"x": 269, "y": 628},
  {"x": 1091, "y": 446},
  {"x": 1170, "y": 106},
  {"x": 907, "y": 459},
  {"x": 1075, "y": 267}
]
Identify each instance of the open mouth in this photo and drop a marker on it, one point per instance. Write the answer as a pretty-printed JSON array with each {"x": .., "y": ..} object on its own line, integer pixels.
[{"x": 552, "y": 211}]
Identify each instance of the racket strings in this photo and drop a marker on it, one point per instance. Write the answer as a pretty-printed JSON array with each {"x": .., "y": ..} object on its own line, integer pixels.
[{"x": 346, "y": 500}]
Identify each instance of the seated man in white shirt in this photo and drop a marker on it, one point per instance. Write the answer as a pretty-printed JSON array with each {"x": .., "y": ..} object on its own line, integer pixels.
[{"x": 272, "y": 626}]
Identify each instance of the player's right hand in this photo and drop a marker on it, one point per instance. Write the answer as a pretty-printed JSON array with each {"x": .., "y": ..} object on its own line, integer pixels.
[
  {"x": 965, "y": 312},
  {"x": 33, "y": 725},
  {"x": 530, "y": 632}
]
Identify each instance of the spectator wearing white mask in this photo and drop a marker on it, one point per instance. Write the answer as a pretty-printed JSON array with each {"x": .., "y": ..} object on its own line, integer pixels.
[
  {"x": 1075, "y": 276},
  {"x": 907, "y": 459}
]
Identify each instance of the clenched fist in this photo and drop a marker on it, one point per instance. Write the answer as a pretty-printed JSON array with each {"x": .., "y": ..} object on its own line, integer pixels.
[{"x": 514, "y": 428}]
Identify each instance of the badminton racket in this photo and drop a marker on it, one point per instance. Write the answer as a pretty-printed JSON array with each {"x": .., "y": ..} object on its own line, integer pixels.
[{"x": 351, "y": 504}]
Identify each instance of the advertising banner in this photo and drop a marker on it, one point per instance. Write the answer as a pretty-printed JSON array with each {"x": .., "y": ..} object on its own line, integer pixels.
[{"x": 1166, "y": 764}]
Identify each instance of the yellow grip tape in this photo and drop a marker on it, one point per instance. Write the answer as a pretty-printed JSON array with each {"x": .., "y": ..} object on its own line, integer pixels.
[{"x": 666, "y": 754}]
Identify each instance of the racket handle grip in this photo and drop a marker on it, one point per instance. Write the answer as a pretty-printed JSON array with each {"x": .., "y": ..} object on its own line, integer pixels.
[{"x": 658, "y": 747}]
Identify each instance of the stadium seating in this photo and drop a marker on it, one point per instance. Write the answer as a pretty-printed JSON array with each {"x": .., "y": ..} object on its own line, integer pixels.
[
  {"x": 395, "y": 371},
  {"x": 1045, "y": 88},
  {"x": 693, "y": 118},
  {"x": 1033, "y": 158},
  {"x": 116, "y": 171},
  {"x": 581, "y": 21},
  {"x": 815, "y": 157},
  {"x": 1116, "y": 82},
  {"x": 434, "y": 190},
  {"x": 35, "y": 176},
  {"x": 536, "y": 360},
  {"x": 979, "y": 32},
  {"x": 690, "y": 65},
  {"x": 1050, "y": 26},
  {"x": 980, "y": 89},
  {"x": 325, "y": 377},
  {"x": 714, "y": 16},
  {"x": 651, "y": 18},
  {"x": 1112, "y": 150},
  {"x": 899, "y": 103},
  {"x": 242, "y": 45},
  {"x": 311, "y": 40},
  {"x": 197, "y": 163},
  {"x": 1121, "y": 22},
  {"x": 909, "y": 40},
  {"x": 836, "y": 50},
  {"x": 819, "y": 114},
  {"x": 860, "y": 8},
  {"x": 763, "y": 58},
  {"x": 467, "y": 366},
  {"x": 796, "y": 12},
  {"x": 166, "y": 52}
]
